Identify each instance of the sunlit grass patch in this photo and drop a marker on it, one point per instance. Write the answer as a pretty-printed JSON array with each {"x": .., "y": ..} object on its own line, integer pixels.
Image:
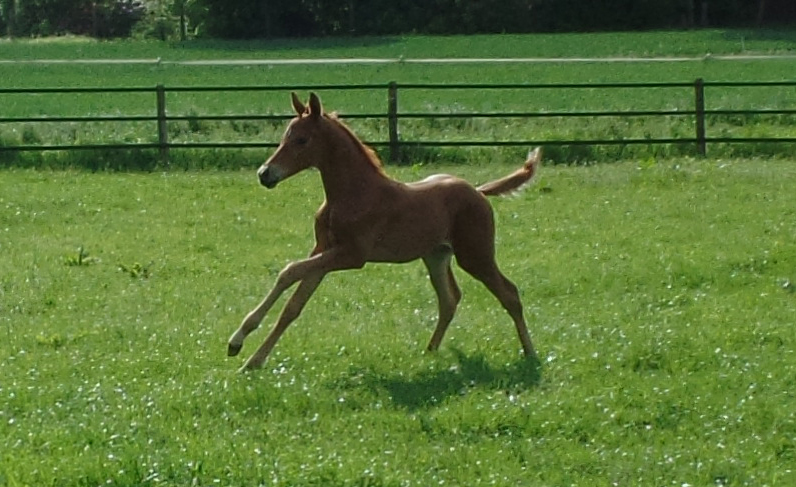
[{"x": 656, "y": 292}]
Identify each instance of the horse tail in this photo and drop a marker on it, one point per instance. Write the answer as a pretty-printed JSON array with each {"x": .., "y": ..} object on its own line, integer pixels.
[{"x": 516, "y": 180}]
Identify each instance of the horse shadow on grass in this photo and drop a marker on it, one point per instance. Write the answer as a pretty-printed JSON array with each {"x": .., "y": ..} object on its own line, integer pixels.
[{"x": 430, "y": 388}]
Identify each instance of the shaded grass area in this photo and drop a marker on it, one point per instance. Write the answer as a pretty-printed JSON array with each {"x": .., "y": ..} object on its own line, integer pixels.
[{"x": 660, "y": 295}]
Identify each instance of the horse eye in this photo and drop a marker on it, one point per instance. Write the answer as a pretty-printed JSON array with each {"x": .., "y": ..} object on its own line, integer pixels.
[{"x": 302, "y": 140}]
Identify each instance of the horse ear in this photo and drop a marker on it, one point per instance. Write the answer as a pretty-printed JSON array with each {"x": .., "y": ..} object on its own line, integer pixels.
[
  {"x": 297, "y": 105},
  {"x": 315, "y": 105}
]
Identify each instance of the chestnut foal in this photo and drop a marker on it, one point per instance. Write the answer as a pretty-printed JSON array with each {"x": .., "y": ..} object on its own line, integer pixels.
[{"x": 368, "y": 217}]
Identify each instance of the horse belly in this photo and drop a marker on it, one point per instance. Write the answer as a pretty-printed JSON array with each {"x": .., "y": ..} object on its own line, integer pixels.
[{"x": 411, "y": 235}]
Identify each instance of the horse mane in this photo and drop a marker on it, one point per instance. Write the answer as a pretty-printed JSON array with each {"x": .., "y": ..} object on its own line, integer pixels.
[{"x": 370, "y": 154}]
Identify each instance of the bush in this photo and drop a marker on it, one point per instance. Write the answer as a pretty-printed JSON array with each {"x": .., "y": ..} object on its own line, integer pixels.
[
  {"x": 155, "y": 25},
  {"x": 117, "y": 18},
  {"x": 103, "y": 18}
]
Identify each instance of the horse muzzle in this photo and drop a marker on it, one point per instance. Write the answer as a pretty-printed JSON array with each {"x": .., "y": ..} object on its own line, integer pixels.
[{"x": 268, "y": 177}]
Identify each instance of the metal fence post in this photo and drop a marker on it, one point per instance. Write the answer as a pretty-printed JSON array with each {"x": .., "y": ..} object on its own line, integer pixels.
[
  {"x": 392, "y": 120},
  {"x": 699, "y": 101},
  {"x": 163, "y": 131}
]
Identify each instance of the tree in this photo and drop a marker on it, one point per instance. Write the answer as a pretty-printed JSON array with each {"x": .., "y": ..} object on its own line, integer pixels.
[
  {"x": 8, "y": 14},
  {"x": 179, "y": 8},
  {"x": 244, "y": 19},
  {"x": 104, "y": 18}
]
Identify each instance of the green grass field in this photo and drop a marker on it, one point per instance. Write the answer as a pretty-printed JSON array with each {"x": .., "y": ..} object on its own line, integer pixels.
[
  {"x": 660, "y": 295},
  {"x": 642, "y": 44},
  {"x": 666, "y": 44},
  {"x": 659, "y": 289}
]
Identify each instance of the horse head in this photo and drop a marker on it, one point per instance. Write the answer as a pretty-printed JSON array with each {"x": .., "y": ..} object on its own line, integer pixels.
[{"x": 301, "y": 147}]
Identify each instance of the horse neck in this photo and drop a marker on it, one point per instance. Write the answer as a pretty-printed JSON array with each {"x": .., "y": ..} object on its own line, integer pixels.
[{"x": 349, "y": 175}]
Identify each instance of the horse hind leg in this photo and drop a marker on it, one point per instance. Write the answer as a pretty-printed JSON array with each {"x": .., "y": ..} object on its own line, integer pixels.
[
  {"x": 509, "y": 297},
  {"x": 506, "y": 292},
  {"x": 448, "y": 292},
  {"x": 475, "y": 254}
]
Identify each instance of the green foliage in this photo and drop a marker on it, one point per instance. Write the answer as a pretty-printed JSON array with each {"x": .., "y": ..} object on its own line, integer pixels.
[
  {"x": 157, "y": 23},
  {"x": 82, "y": 258},
  {"x": 569, "y": 15},
  {"x": 92, "y": 160},
  {"x": 55, "y": 340},
  {"x": 237, "y": 19},
  {"x": 136, "y": 270},
  {"x": 242, "y": 19},
  {"x": 41, "y": 18},
  {"x": 30, "y": 136}
]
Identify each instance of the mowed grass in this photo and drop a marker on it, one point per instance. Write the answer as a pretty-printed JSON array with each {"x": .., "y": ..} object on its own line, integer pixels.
[
  {"x": 660, "y": 295},
  {"x": 597, "y": 44},
  {"x": 653, "y": 44}
]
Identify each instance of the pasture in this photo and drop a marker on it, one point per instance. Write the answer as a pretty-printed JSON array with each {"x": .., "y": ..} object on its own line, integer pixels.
[
  {"x": 657, "y": 44},
  {"x": 659, "y": 291},
  {"x": 660, "y": 294}
]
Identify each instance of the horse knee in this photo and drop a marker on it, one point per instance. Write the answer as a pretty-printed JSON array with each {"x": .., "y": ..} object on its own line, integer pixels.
[{"x": 287, "y": 276}]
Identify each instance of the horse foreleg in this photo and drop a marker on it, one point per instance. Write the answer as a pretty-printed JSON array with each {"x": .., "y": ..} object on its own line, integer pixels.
[
  {"x": 287, "y": 278},
  {"x": 292, "y": 309},
  {"x": 307, "y": 271},
  {"x": 448, "y": 293},
  {"x": 255, "y": 317}
]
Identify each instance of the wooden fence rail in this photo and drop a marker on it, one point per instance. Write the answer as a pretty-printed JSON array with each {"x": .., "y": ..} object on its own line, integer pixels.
[{"x": 700, "y": 113}]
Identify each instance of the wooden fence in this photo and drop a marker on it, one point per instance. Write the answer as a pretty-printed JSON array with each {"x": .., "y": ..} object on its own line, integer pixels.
[{"x": 699, "y": 113}]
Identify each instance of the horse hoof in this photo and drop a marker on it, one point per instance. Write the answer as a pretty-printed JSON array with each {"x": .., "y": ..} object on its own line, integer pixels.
[{"x": 233, "y": 350}]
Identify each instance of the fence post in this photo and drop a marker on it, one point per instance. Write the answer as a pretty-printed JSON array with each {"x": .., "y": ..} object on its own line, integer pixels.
[
  {"x": 163, "y": 131},
  {"x": 699, "y": 99},
  {"x": 392, "y": 120}
]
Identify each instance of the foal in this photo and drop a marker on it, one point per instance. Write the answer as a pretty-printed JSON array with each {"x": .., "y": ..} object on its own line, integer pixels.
[{"x": 368, "y": 217}]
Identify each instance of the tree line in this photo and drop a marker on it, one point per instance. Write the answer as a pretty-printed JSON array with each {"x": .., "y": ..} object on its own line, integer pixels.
[{"x": 304, "y": 18}]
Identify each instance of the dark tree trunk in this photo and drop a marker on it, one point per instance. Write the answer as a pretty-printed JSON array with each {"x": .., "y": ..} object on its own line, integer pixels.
[{"x": 761, "y": 12}]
